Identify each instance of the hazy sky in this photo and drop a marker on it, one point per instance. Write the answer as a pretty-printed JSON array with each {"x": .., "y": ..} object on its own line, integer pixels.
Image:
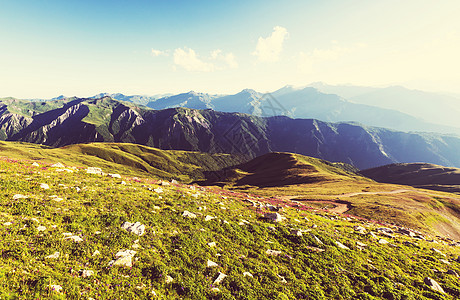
[{"x": 85, "y": 47}]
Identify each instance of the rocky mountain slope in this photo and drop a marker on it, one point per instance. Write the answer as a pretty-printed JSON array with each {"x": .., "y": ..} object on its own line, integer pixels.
[
  {"x": 60, "y": 122},
  {"x": 73, "y": 232},
  {"x": 421, "y": 175}
]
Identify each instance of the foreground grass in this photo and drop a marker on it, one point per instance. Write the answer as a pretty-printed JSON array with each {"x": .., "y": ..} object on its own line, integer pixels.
[{"x": 171, "y": 257}]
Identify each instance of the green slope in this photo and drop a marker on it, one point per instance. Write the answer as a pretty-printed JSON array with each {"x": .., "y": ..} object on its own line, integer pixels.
[
  {"x": 297, "y": 258},
  {"x": 128, "y": 159}
]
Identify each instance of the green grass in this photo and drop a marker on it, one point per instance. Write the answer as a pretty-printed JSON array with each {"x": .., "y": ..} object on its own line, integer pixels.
[
  {"x": 178, "y": 247},
  {"x": 128, "y": 159}
]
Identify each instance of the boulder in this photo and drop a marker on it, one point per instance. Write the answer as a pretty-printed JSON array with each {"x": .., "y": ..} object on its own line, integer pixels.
[
  {"x": 219, "y": 278},
  {"x": 188, "y": 214},
  {"x": 124, "y": 258},
  {"x": 136, "y": 228},
  {"x": 275, "y": 217},
  {"x": 433, "y": 285},
  {"x": 211, "y": 264}
]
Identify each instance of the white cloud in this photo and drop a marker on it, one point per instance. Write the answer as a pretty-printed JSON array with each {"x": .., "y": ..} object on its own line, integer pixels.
[
  {"x": 189, "y": 60},
  {"x": 156, "y": 52},
  {"x": 227, "y": 58},
  {"x": 268, "y": 49}
]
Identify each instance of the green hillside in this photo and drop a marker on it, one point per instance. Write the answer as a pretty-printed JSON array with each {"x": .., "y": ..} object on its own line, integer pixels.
[
  {"x": 128, "y": 159},
  {"x": 63, "y": 236}
]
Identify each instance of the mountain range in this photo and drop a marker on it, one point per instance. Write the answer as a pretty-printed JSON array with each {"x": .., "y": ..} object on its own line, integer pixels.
[
  {"x": 393, "y": 107},
  {"x": 79, "y": 120}
]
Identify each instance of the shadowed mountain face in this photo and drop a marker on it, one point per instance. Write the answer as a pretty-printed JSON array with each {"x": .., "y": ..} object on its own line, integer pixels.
[
  {"x": 420, "y": 175},
  {"x": 59, "y": 123}
]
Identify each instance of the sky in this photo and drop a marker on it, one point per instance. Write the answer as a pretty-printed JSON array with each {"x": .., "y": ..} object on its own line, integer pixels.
[{"x": 81, "y": 48}]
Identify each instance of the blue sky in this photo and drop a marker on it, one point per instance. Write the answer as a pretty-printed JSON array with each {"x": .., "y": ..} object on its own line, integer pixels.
[{"x": 148, "y": 47}]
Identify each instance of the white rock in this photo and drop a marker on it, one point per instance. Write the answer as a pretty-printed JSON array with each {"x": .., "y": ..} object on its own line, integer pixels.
[
  {"x": 342, "y": 246},
  {"x": 57, "y": 165},
  {"x": 124, "y": 258},
  {"x": 19, "y": 196},
  {"x": 445, "y": 261},
  {"x": 188, "y": 214},
  {"x": 273, "y": 252},
  {"x": 296, "y": 232},
  {"x": 74, "y": 238},
  {"x": 158, "y": 190},
  {"x": 215, "y": 290},
  {"x": 169, "y": 279},
  {"x": 212, "y": 244},
  {"x": 136, "y": 228},
  {"x": 56, "y": 288},
  {"x": 44, "y": 186},
  {"x": 211, "y": 264},
  {"x": 219, "y": 278},
  {"x": 55, "y": 255},
  {"x": 174, "y": 181},
  {"x": 275, "y": 217},
  {"x": 35, "y": 164},
  {"x": 123, "y": 183},
  {"x": 437, "y": 251},
  {"x": 94, "y": 170},
  {"x": 41, "y": 228},
  {"x": 209, "y": 218},
  {"x": 316, "y": 239},
  {"x": 64, "y": 170},
  {"x": 433, "y": 285},
  {"x": 87, "y": 273},
  {"x": 67, "y": 234},
  {"x": 283, "y": 280},
  {"x": 7, "y": 224},
  {"x": 383, "y": 241},
  {"x": 247, "y": 274},
  {"x": 360, "y": 244},
  {"x": 96, "y": 253},
  {"x": 115, "y": 175}
]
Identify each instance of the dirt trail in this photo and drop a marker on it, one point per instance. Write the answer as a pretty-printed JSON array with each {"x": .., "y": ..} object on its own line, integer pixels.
[{"x": 341, "y": 206}]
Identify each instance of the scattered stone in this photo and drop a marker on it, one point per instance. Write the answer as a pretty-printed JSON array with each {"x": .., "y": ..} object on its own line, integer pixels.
[
  {"x": 342, "y": 246},
  {"x": 437, "y": 251},
  {"x": 275, "y": 217},
  {"x": 115, "y": 175},
  {"x": 94, "y": 170},
  {"x": 136, "y": 228},
  {"x": 211, "y": 264},
  {"x": 273, "y": 252},
  {"x": 55, "y": 287},
  {"x": 41, "y": 228},
  {"x": 87, "y": 273},
  {"x": 188, "y": 214},
  {"x": 296, "y": 232},
  {"x": 35, "y": 164},
  {"x": 123, "y": 183},
  {"x": 247, "y": 274},
  {"x": 74, "y": 238},
  {"x": 97, "y": 232},
  {"x": 433, "y": 285},
  {"x": 360, "y": 244},
  {"x": 212, "y": 244},
  {"x": 169, "y": 279},
  {"x": 174, "y": 181},
  {"x": 158, "y": 190},
  {"x": 383, "y": 241},
  {"x": 44, "y": 186},
  {"x": 314, "y": 249},
  {"x": 445, "y": 261},
  {"x": 67, "y": 234},
  {"x": 373, "y": 235},
  {"x": 316, "y": 239},
  {"x": 19, "y": 196},
  {"x": 360, "y": 229},
  {"x": 219, "y": 278},
  {"x": 7, "y": 224},
  {"x": 57, "y": 165},
  {"x": 283, "y": 280},
  {"x": 124, "y": 258},
  {"x": 208, "y": 218},
  {"x": 55, "y": 255}
]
